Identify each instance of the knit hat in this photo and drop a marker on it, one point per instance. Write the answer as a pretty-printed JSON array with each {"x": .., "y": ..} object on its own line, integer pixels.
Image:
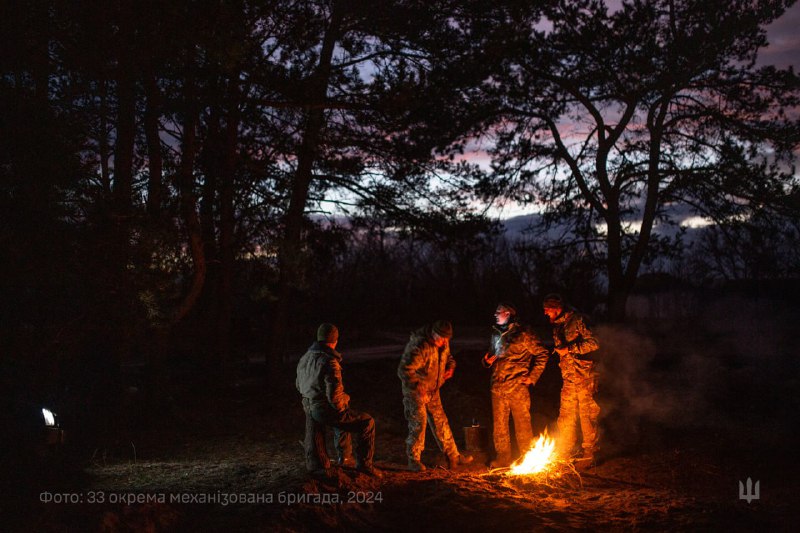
[
  {"x": 327, "y": 333},
  {"x": 505, "y": 306},
  {"x": 553, "y": 301},
  {"x": 443, "y": 328}
]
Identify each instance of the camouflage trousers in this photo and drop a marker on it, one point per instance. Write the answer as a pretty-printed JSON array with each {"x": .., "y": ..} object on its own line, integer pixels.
[
  {"x": 578, "y": 409},
  {"x": 316, "y": 450},
  {"x": 420, "y": 411},
  {"x": 514, "y": 400}
]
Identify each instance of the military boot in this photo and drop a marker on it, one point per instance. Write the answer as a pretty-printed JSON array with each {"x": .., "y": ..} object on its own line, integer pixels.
[
  {"x": 415, "y": 465},
  {"x": 345, "y": 461},
  {"x": 454, "y": 461},
  {"x": 369, "y": 470},
  {"x": 585, "y": 460},
  {"x": 501, "y": 461}
]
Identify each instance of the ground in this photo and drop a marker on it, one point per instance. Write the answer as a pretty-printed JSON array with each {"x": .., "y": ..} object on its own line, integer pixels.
[{"x": 676, "y": 449}]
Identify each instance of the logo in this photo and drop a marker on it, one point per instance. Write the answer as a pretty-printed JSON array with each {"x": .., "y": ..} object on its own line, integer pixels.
[{"x": 752, "y": 492}]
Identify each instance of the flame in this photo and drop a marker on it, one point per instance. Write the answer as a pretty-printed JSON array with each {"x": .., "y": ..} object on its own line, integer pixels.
[{"x": 537, "y": 459}]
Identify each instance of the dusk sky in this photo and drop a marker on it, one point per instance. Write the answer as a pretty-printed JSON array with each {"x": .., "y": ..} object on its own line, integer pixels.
[
  {"x": 213, "y": 215},
  {"x": 784, "y": 39},
  {"x": 783, "y": 52}
]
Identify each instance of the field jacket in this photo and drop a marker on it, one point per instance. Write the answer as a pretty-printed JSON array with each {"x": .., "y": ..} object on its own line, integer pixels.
[
  {"x": 570, "y": 332},
  {"x": 423, "y": 365},
  {"x": 520, "y": 354},
  {"x": 319, "y": 379}
]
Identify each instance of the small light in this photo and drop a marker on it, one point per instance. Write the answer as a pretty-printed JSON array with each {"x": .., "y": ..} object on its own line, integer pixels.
[{"x": 49, "y": 417}]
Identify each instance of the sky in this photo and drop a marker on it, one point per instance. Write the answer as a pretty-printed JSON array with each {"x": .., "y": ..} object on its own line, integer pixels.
[
  {"x": 783, "y": 51},
  {"x": 784, "y": 40}
]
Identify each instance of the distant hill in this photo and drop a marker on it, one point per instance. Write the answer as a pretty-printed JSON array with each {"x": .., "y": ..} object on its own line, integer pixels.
[{"x": 516, "y": 227}]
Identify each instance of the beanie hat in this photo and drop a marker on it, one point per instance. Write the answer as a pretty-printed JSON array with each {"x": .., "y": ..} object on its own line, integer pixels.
[
  {"x": 327, "y": 333},
  {"x": 553, "y": 301},
  {"x": 443, "y": 328},
  {"x": 507, "y": 307}
]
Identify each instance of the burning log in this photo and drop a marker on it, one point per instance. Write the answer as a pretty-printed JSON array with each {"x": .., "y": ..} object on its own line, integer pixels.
[{"x": 540, "y": 467}]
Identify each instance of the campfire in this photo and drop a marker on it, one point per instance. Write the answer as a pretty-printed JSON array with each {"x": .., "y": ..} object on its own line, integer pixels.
[
  {"x": 538, "y": 459},
  {"x": 541, "y": 468}
]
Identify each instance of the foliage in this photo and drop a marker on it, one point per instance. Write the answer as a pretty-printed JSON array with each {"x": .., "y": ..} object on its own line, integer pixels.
[
  {"x": 610, "y": 118},
  {"x": 260, "y": 155}
]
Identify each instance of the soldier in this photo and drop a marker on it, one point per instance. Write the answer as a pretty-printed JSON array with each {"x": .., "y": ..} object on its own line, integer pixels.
[
  {"x": 574, "y": 344},
  {"x": 319, "y": 381},
  {"x": 517, "y": 360},
  {"x": 425, "y": 365}
]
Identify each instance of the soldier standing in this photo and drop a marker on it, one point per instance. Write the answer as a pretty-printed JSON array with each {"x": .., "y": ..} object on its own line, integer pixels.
[
  {"x": 574, "y": 343},
  {"x": 425, "y": 365},
  {"x": 517, "y": 360}
]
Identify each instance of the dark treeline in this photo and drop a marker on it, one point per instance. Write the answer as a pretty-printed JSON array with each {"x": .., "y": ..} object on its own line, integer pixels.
[{"x": 168, "y": 169}]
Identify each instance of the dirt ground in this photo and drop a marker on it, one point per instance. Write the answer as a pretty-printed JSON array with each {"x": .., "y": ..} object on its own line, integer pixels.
[{"x": 680, "y": 433}]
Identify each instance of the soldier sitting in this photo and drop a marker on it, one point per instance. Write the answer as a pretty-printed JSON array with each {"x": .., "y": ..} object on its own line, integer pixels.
[{"x": 319, "y": 381}]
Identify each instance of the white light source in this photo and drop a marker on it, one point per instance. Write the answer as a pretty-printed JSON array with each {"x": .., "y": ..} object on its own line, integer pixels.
[{"x": 49, "y": 417}]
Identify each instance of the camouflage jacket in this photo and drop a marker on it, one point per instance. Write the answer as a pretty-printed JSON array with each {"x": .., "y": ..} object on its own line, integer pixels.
[
  {"x": 520, "y": 354},
  {"x": 319, "y": 378},
  {"x": 423, "y": 365},
  {"x": 570, "y": 332}
]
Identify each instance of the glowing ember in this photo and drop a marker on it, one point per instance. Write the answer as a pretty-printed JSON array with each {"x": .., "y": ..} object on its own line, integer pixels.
[{"x": 538, "y": 458}]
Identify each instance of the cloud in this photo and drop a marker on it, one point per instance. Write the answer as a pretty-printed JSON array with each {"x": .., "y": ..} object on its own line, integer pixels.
[{"x": 784, "y": 43}]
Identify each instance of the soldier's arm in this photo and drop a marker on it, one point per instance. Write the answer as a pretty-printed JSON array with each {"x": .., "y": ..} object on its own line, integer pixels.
[
  {"x": 489, "y": 358},
  {"x": 302, "y": 372},
  {"x": 585, "y": 342},
  {"x": 411, "y": 361},
  {"x": 297, "y": 377},
  {"x": 539, "y": 356},
  {"x": 450, "y": 365},
  {"x": 334, "y": 387}
]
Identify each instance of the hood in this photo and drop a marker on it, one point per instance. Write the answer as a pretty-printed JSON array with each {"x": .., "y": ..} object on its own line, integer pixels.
[{"x": 317, "y": 346}]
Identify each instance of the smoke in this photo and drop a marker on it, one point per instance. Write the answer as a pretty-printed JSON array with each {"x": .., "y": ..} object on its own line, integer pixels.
[
  {"x": 631, "y": 393},
  {"x": 732, "y": 371}
]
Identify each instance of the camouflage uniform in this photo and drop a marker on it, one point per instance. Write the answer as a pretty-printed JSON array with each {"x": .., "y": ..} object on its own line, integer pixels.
[
  {"x": 580, "y": 383},
  {"x": 319, "y": 381},
  {"x": 422, "y": 373},
  {"x": 521, "y": 359}
]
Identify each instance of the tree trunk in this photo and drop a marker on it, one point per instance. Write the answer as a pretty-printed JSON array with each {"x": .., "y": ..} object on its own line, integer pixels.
[
  {"x": 123, "y": 147},
  {"x": 126, "y": 113},
  {"x": 188, "y": 200},
  {"x": 105, "y": 174},
  {"x": 227, "y": 225},
  {"x": 155, "y": 162},
  {"x": 210, "y": 161},
  {"x": 122, "y": 193},
  {"x": 290, "y": 263},
  {"x": 41, "y": 68},
  {"x": 618, "y": 285},
  {"x": 617, "y": 301}
]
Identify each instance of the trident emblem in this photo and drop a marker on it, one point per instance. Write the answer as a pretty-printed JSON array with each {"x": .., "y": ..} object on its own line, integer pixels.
[{"x": 750, "y": 494}]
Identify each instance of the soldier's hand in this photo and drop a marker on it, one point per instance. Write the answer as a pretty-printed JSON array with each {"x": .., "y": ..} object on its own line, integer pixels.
[
  {"x": 489, "y": 359},
  {"x": 449, "y": 373}
]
